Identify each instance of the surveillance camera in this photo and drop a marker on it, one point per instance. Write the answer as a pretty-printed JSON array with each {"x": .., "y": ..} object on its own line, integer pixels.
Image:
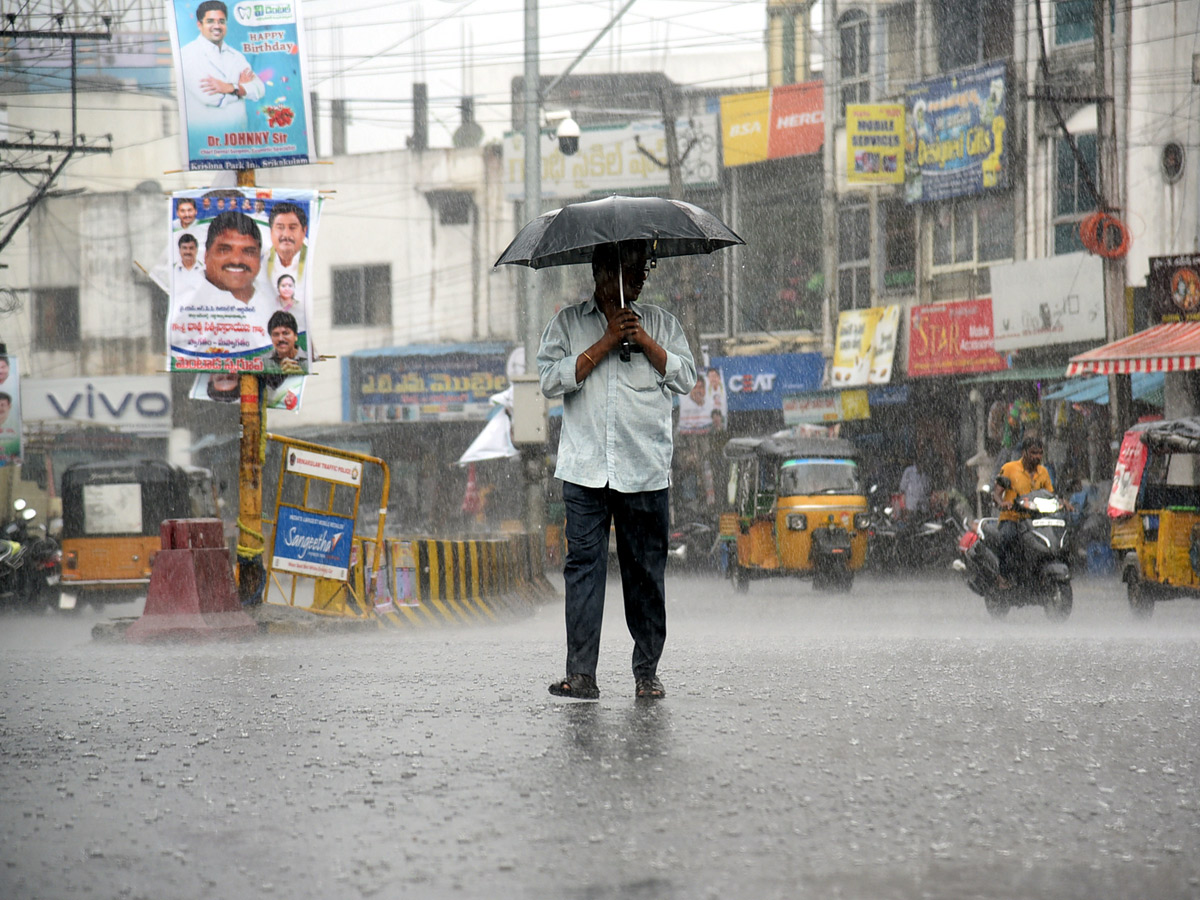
[{"x": 568, "y": 136}]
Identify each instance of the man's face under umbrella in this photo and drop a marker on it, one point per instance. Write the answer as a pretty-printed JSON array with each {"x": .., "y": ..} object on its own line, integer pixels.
[{"x": 633, "y": 273}]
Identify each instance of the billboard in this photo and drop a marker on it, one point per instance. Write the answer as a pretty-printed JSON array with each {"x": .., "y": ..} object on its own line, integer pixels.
[
  {"x": 452, "y": 383},
  {"x": 240, "y": 295},
  {"x": 1056, "y": 300},
  {"x": 132, "y": 403},
  {"x": 952, "y": 338},
  {"x": 610, "y": 159},
  {"x": 1174, "y": 288},
  {"x": 10, "y": 411},
  {"x": 240, "y": 77},
  {"x": 865, "y": 346},
  {"x": 785, "y": 121},
  {"x": 312, "y": 543},
  {"x": 761, "y": 382},
  {"x": 874, "y": 143},
  {"x": 955, "y": 139}
]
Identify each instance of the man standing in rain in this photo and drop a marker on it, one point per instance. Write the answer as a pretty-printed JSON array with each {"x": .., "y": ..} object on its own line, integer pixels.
[{"x": 614, "y": 459}]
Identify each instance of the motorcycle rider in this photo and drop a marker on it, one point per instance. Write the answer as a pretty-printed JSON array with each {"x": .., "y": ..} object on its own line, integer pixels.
[{"x": 1024, "y": 475}]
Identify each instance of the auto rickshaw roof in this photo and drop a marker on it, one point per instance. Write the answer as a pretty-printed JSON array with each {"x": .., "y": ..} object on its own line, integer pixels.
[
  {"x": 1173, "y": 435},
  {"x": 786, "y": 446}
]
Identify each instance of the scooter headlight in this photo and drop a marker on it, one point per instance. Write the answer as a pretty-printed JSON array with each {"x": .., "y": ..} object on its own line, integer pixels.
[
  {"x": 862, "y": 521},
  {"x": 797, "y": 522}
]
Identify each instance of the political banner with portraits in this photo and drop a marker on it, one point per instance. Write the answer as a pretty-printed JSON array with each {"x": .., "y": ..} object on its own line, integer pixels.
[
  {"x": 10, "y": 411},
  {"x": 224, "y": 387},
  {"x": 239, "y": 75},
  {"x": 704, "y": 409},
  {"x": 240, "y": 295}
]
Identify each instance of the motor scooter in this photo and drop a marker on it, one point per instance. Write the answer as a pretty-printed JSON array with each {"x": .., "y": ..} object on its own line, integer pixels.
[
  {"x": 691, "y": 545},
  {"x": 30, "y": 563},
  {"x": 928, "y": 541},
  {"x": 1040, "y": 573}
]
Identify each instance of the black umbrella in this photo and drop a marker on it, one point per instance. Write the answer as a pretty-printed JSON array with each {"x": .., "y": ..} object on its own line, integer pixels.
[{"x": 568, "y": 236}]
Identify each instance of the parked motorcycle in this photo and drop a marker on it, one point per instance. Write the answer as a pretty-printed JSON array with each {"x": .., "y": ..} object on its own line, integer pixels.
[
  {"x": 30, "y": 563},
  {"x": 690, "y": 546},
  {"x": 896, "y": 542},
  {"x": 1040, "y": 573}
]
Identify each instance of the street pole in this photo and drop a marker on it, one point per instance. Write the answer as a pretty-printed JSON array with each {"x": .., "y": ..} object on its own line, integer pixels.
[
  {"x": 1111, "y": 199},
  {"x": 829, "y": 224},
  {"x": 531, "y": 305},
  {"x": 251, "y": 575}
]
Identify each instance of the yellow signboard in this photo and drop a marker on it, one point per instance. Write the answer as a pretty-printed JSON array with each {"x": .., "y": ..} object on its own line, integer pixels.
[
  {"x": 745, "y": 121},
  {"x": 865, "y": 346},
  {"x": 875, "y": 143}
]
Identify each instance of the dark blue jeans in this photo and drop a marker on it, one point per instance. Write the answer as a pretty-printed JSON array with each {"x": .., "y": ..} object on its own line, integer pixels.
[{"x": 641, "y": 522}]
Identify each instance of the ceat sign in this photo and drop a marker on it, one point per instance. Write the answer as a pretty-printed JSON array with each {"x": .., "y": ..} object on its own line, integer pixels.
[{"x": 760, "y": 382}]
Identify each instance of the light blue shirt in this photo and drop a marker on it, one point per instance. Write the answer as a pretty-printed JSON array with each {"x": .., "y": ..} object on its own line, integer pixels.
[{"x": 616, "y": 427}]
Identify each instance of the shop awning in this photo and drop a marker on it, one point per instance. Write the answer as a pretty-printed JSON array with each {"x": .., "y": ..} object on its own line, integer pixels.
[
  {"x": 1172, "y": 347},
  {"x": 1146, "y": 386}
]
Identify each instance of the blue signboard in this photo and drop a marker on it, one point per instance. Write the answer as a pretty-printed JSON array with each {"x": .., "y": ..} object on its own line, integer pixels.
[
  {"x": 425, "y": 383},
  {"x": 760, "y": 382},
  {"x": 955, "y": 134},
  {"x": 312, "y": 543}
]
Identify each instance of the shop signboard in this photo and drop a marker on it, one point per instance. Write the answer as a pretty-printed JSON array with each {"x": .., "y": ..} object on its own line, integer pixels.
[
  {"x": 745, "y": 125},
  {"x": 244, "y": 270},
  {"x": 1056, "y": 300},
  {"x": 952, "y": 338},
  {"x": 312, "y": 543},
  {"x": 865, "y": 347},
  {"x": 134, "y": 403},
  {"x": 241, "y": 78},
  {"x": 786, "y": 121},
  {"x": 955, "y": 137},
  {"x": 609, "y": 159},
  {"x": 797, "y": 118},
  {"x": 426, "y": 383},
  {"x": 825, "y": 407},
  {"x": 761, "y": 382},
  {"x": 875, "y": 143},
  {"x": 1174, "y": 288},
  {"x": 10, "y": 411}
]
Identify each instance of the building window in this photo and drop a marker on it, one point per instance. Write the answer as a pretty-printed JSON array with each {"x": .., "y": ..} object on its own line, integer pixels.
[
  {"x": 56, "y": 318},
  {"x": 967, "y": 235},
  {"x": 854, "y": 62},
  {"x": 854, "y": 257},
  {"x": 1072, "y": 198},
  {"x": 970, "y": 32},
  {"x": 362, "y": 295},
  {"x": 1073, "y": 22},
  {"x": 901, "y": 54},
  {"x": 899, "y": 246}
]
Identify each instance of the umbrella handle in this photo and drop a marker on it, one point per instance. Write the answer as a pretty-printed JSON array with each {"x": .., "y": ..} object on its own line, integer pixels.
[{"x": 625, "y": 347}]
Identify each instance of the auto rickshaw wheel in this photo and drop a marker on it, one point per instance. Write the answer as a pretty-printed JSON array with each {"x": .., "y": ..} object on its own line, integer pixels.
[
  {"x": 740, "y": 578},
  {"x": 1141, "y": 598}
]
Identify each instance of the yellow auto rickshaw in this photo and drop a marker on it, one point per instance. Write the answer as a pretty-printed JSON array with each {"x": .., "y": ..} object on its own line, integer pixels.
[
  {"x": 1155, "y": 507},
  {"x": 799, "y": 509}
]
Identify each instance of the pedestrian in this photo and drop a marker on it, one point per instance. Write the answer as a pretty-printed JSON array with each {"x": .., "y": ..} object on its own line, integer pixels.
[
  {"x": 914, "y": 485},
  {"x": 614, "y": 459}
]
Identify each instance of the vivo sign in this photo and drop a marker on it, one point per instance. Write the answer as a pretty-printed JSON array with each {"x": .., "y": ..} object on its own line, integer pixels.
[{"x": 130, "y": 403}]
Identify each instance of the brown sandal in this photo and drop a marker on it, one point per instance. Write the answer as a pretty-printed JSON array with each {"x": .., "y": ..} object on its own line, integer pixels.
[
  {"x": 650, "y": 689},
  {"x": 581, "y": 687}
]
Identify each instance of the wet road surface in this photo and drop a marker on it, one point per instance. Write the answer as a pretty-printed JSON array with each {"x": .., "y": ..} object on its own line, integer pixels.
[{"x": 890, "y": 743}]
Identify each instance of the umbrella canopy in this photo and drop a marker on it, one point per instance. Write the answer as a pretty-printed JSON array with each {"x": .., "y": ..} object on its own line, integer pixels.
[{"x": 568, "y": 236}]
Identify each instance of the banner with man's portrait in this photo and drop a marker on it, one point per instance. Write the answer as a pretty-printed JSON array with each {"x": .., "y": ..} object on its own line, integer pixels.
[
  {"x": 240, "y": 293},
  {"x": 10, "y": 411},
  {"x": 240, "y": 77}
]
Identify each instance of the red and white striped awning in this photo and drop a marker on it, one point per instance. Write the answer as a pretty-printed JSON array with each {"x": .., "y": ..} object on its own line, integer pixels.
[{"x": 1173, "y": 347}]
